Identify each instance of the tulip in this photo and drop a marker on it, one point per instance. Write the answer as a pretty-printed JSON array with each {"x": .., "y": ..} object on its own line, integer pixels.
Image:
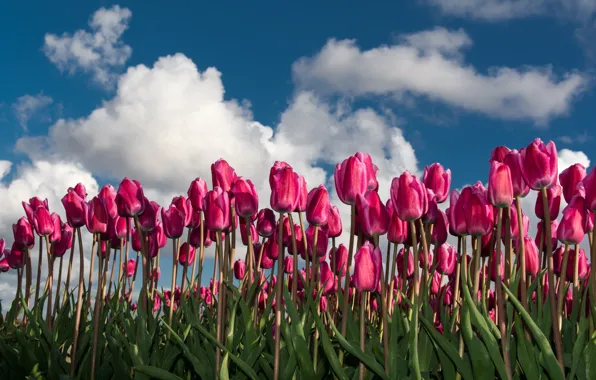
[
  {"x": 478, "y": 212},
  {"x": 323, "y": 303},
  {"x": 42, "y": 221},
  {"x": 65, "y": 242},
  {"x": 14, "y": 257},
  {"x": 514, "y": 223},
  {"x": 367, "y": 267},
  {"x": 173, "y": 222},
  {"x": 97, "y": 216},
  {"x": 589, "y": 183},
  {"x": 265, "y": 222},
  {"x": 334, "y": 225},
  {"x": 339, "y": 258},
  {"x": 23, "y": 233},
  {"x": 456, "y": 214},
  {"x": 196, "y": 193},
  {"x": 4, "y": 266},
  {"x": 288, "y": 264},
  {"x": 532, "y": 257},
  {"x": 498, "y": 154},
  {"x": 371, "y": 170},
  {"x": 553, "y": 195},
  {"x": 397, "y": 231},
  {"x": 540, "y": 164},
  {"x": 129, "y": 267},
  {"x": 438, "y": 180},
  {"x": 317, "y": 206},
  {"x": 372, "y": 214},
  {"x": 500, "y": 188},
  {"x": 409, "y": 197},
  {"x": 187, "y": 254},
  {"x": 554, "y": 227},
  {"x": 75, "y": 208},
  {"x": 246, "y": 198},
  {"x": 285, "y": 187},
  {"x": 492, "y": 268},
  {"x": 327, "y": 279},
  {"x": 570, "y": 178},
  {"x": 222, "y": 175},
  {"x": 108, "y": 194},
  {"x": 432, "y": 213},
  {"x": 33, "y": 204},
  {"x": 239, "y": 269},
  {"x": 130, "y": 199},
  {"x": 572, "y": 226},
  {"x": 582, "y": 264},
  {"x": 446, "y": 259},
  {"x": 400, "y": 263},
  {"x": 439, "y": 232},
  {"x": 271, "y": 249},
  {"x": 513, "y": 160},
  {"x": 351, "y": 179},
  {"x": 135, "y": 240},
  {"x": 302, "y": 195},
  {"x": 436, "y": 283},
  {"x": 185, "y": 208},
  {"x": 148, "y": 219},
  {"x": 217, "y": 209},
  {"x": 253, "y": 233},
  {"x": 322, "y": 241}
]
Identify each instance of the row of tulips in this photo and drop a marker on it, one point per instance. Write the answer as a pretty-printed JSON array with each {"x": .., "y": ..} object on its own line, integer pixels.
[{"x": 513, "y": 307}]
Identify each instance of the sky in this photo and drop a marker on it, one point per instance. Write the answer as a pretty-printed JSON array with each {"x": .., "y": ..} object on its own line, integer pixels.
[{"x": 95, "y": 91}]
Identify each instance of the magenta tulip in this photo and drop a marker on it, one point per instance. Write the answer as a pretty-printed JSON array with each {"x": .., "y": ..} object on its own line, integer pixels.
[
  {"x": 186, "y": 254},
  {"x": 302, "y": 197},
  {"x": 23, "y": 233},
  {"x": 478, "y": 211},
  {"x": 197, "y": 192},
  {"x": 438, "y": 180},
  {"x": 590, "y": 187},
  {"x": 341, "y": 260},
  {"x": 372, "y": 214},
  {"x": 285, "y": 187},
  {"x": 334, "y": 225},
  {"x": 75, "y": 208},
  {"x": 572, "y": 226},
  {"x": 217, "y": 209},
  {"x": 317, "y": 206},
  {"x": 570, "y": 178},
  {"x": 368, "y": 266},
  {"x": 446, "y": 259},
  {"x": 130, "y": 199},
  {"x": 397, "y": 230},
  {"x": 540, "y": 164},
  {"x": 513, "y": 160},
  {"x": 172, "y": 222},
  {"x": 246, "y": 199},
  {"x": 265, "y": 222},
  {"x": 108, "y": 194},
  {"x": 42, "y": 221},
  {"x": 409, "y": 197},
  {"x": 498, "y": 154},
  {"x": 351, "y": 179},
  {"x": 500, "y": 188},
  {"x": 97, "y": 216},
  {"x": 553, "y": 195},
  {"x": 223, "y": 175}
]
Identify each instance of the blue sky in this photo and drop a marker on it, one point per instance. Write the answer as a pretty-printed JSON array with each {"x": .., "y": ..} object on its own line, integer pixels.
[{"x": 271, "y": 61}]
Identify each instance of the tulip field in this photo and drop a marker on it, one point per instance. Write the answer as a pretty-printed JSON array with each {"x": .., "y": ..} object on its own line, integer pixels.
[{"x": 294, "y": 294}]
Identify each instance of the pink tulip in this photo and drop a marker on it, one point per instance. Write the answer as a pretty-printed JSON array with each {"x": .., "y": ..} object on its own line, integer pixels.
[
  {"x": 327, "y": 278},
  {"x": 540, "y": 164},
  {"x": 590, "y": 186},
  {"x": 532, "y": 257},
  {"x": 478, "y": 211},
  {"x": 196, "y": 193},
  {"x": 572, "y": 226},
  {"x": 554, "y": 226},
  {"x": 553, "y": 195},
  {"x": 288, "y": 265},
  {"x": 108, "y": 194},
  {"x": 500, "y": 188},
  {"x": 455, "y": 212},
  {"x": 498, "y": 154},
  {"x": 185, "y": 207},
  {"x": 341, "y": 260},
  {"x": 371, "y": 170},
  {"x": 368, "y": 266},
  {"x": 130, "y": 199},
  {"x": 23, "y": 233},
  {"x": 33, "y": 204},
  {"x": 76, "y": 209},
  {"x": 173, "y": 222},
  {"x": 265, "y": 222},
  {"x": 223, "y": 175},
  {"x": 253, "y": 232},
  {"x": 97, "y": 216},
  {"x": 322, "y": 242},
  {"x": 317, "y": 206},
  {"x": 14, "y": 257},
  {"x": 513, "y": 160},
  {"x": 129, "y": 267},
  {"x": 582, "y": 264},
  {"x": 514, "y": 223},
  {"x": 351, "y": 179},
  {"x": 302, "y": 194},
  {"x": 570, "y": 178},
  {"x": 148, "y": 219},
  {"x": 246, "y": 199},
  {"x": 285, "y": 187},
  {"x": 493, "y": 266},
  {"x": 401, "y": 256},
  {"x": 4, "y": 266},
  {"x": 323, "y": 303},
  {"x": 409, "y": 197},
  {"x": 372, "y": 214},
  {"x": 439, "y": 232},
  {"x": 239, "y": 269},
  {"x": 42, "y": 221},
  {"x": 334, "y": 225},
  {"x": 217, "y": 209},
  {"x": 432, "y": 213},
  {"x": 446, "y": 259},
  {"x": 65, "y": 242},
  {"x": 436, "y": 283},
  {"x": 397, "y": 231},
  {"x": 438, "y": 180},
  {"x": 187, "y": 254}
]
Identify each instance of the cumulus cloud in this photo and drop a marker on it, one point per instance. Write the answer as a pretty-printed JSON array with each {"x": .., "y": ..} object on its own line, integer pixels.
[
  {"x": 28, "y": 106},
  {"x": 498, "y": 10},
  {"x": 99, "y": 51},
  {"x": 430, "y": 65}
]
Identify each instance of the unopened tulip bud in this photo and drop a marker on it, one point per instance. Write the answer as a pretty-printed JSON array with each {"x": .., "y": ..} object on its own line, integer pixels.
[
  {"x": 513, "y": 160},
  {"x": 570, "y": 178},
  {"x": 285, "y": 187},
  {"x": 540, "y": 164},
  {"x": 187, "y": 254},
  {"x": 317, "y": 206},
  {"x": 217, "y": 209},
  {"x": 409, "y": 197},
  {"x": 373, "y": 216},
  {"x": 130, "y": 199},
  {"x": 500, "y": 188},
  {"x": 438, "y": 180},
  {"x": 351, "y": 179},
  {"x": 553, "y": 195},
  {"x": 368, "y": 264},
  {"x": 246, "y": 199}
]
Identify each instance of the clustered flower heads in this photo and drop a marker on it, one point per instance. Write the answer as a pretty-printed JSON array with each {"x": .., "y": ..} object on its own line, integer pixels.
[{"x": 299, "y": 255}]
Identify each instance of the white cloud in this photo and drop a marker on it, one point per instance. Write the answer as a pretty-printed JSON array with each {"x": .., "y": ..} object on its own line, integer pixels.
[
  {"x": 580, "y": 138},
  {"x": 429, "y": 64},
  {"x": 28, "y": 106},
  {"x": 99, "y": 51},
  {"x": 498, "y": 10}
]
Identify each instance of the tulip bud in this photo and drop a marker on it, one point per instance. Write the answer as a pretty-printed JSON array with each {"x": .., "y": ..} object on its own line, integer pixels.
[
  {"x": 185, "y": 208},
  {"x": 341, "y": 260},
  {"x": 582, "y": 264},
  {"x": 553, "y": 195},
  {"x": 397, "y": 231},
  {"x": 478, "y": 212},
  {"x": 373, "y": 216},
  {"x": 187, "y": 254},
  {"x": 351, "y": 179},
  {"x": 327, "y": 278},
  {"x": 129, "y": 267},
  {"x": 322, "y": 241},
  {"x": 33, "y": 204},
  {"x": 498, "y": 154},
  {"x": 438, "y": 180},
  {"x": 371, "y": 170},
  {"x": 108, "y": 195},
  {"x": 492, "y": 268},
  {"x": 368, "y": 265},
  {"x": 76, "y": 209},
  {"x": 446, "y": 259},
  {"x": 196, "y": 193},
  {"x": 288, "y": 264},
  {"x": 173, "y": 222},
  {"x": 439, "y": 232},
  {"x": 253, "y": 232},
  {"x": 23, "y": 233},
  {"x": 401, "y": 257},
  {"x": 431, "y": 214},
  {"x": 513, "y": 160},
  {"x": 223, "y": 175},
  {"x": 500, "y": 188},
  {"x": 14, "y": 257},
  {"x": 265, "y": 222},
  {"x": 285, "y": 187},
  {"x": 42, "y": 221},
  {"x": 97, "y": 216},
  {"x": 148, "y": 219},
  {"x": 334, "y": 225},
  {"x": 532, "y": 257},
  {"x": 130, "y": 199},
  {"x": 217, "y": 209},
  {"x": 409, "y": 197},
  {"x": 323, "y": 303},
  {"x": 554, "y": 227},
  {"x": 65, "y": 242},
  {"x": 135, "y": 240},
  {"x": 540, "y": 164},
  {"x": 570, "y": 178},
  {"x": 572, "y": 226},
  {"x": 246, "y": 199},
  {"x": 590, "y": 186},
  {"x": 302, "y": 197},
  {"x": 514, "y": 223},
  {"x": 317, "y": 206},
  {"x": 455, "y": 214}
]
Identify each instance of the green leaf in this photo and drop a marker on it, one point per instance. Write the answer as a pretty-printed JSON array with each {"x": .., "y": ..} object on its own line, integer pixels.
[
  {"x": 527, "y": 360},
  {"x": 156, "y": 373},
  {"x": 298, "y": 339},
  {"x": 196, "y": 363},
  {"x": 590, "y": 358},
  {"x": 578, "y": 347}
]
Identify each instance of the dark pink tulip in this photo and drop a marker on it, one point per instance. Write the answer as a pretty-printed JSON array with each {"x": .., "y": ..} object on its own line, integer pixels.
[
  {"x": 253, "y": 233},
  {"x": 582, "y": 264},
  {"x": 185, "y": 207},
  {"x": 195, "y": 237},
  {"x": 2, "y": 247},
  {"x": 33, "y": 204},
  {"x": 23, "y": 233},
  {"x": 239, "y": 269},
  {"x": 246, "y": 199},
  {"x": 397, "y": 231},
  {"x": 76, "y": 209},
  {"x": 514, "y": 223},
  {"x": 42, "y": 221},
  {"x": 121, "y": 226},
  {"x": 196, "y": 193},
  {"x": 351, "y": 179},
  {"x": 327, "y": 278},
  {"x": 438, "y": 180},
  {"x": 447, "y": 293},
  {"x": 532, "y": 257},
  {"x": 478, "y": 212},
  {"x": 317, "y": 206},
  {"x": 572, "y": 226},
  {"x": 322, "y": 241},
  {"x": 223, "y": 175},
  {"x": 341, "y": 260},
  {"x": 334, "y": 225},
  {"x": 432, "y": 213},
  {"x": 80, "y": 190},
  {"x": 371, "y": 170},
  {"x": 155, "y": 274},
  {"x": 570, "y": 178},
  {"x": 156, "y": 302},
  {"x": 430, "y": 260},
  {"x": 57, "y": 230},
  {"x": 401, "y": 256},
  {"x": 266, "y": 222},
  {"x": 439, "y": 232},
  {"x": 540, "y": 164},
  {"x": 288, "y": 264},
  {"x": 493, "y": 266},
  {"x": 135, "y": 240},
  {"x": 590, "y": 187},
  {"x": 513, "y": 160},
  {"x": 285, "y": 187},
  {"x": 554, "y": 202},
  {"x": 217, "y": 209},
  {"x": 554, "y": 227},
  {"x": 152, "y": 244},
  {"x": 14, "y": 257},
  {"x": 373, "y": 216},
  {"x": 66, "y": 237},
  {"x": 446, "y": 259},
  {"x": 368, "y": 265},
  {"x": 436, "y": 283},
  {"x": 108, "y": 194},
  {"x": 558, "y": 260},
  {"x": 130, "y": 199},
  {"x": 4, "y": 266},
  {"x": 455, "y": 212},
  {"x": 173, "y": 222},
  {"x": 148, "y": 219},
  {"x": 500, "y": 188},
  {"x": 323, "y": 303},
  {"x": 409, "y": 197},
  {"x": 160, "y": 235},
  {"x": 302, "y": 199},
  {"x": 129, "y": 267},
  {"x": 187, "y": 254},
  {"x": 498, "y": 154},
  {"x": 487, "y": 244},
  {"x": 271, "y": 249}
]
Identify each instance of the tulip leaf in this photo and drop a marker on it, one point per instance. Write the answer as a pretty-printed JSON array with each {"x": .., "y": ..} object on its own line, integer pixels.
[
  {"x": 298, "y": 339},
  {"x": 527, "y": 360},
  {"x": 578, "y": 347},
  {"x": 156, "y": 373},
  {"x": 196, "y": 363}
]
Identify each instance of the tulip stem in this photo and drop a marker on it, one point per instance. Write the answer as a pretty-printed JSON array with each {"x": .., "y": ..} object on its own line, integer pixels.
[
  {"x": 220, "y": 263},
  {"x": 500, "y": 304},
  {"x": 175, "y": 248},
  {"x": 58, "y": 288},
  {"x": 384, "y": 307},
  {"x": 592, "y": 279},
  {"x": 521, "y": 254},
  {"x": 278, "y": 300},
  {"x": 90, "y": 282},
  {"x": 346, "y": 291},
  {"x": 315, "y": 255},
  {"x": 112, "y": 274},
  {"x": 28, "y": 276},
  {"x": 561, "y": 291},
  {"x": 67, "y": 284},
  {"x": 97, "y": 308},
  {"x": 39, "y": 263},
  {"x": 551, "y": 279},
  {"x": 305, "y": 246},
  {"x": 249, "y": 258},
  {"x": 362, "y": 368},
  {"x": 413, "y": 357},
  {"x": 295, "y": 260},
  {"x": 73, "y": 353}
]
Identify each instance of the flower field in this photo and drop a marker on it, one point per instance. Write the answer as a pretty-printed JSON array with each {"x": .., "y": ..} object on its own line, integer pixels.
[{"x": 286, "y": 299}]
